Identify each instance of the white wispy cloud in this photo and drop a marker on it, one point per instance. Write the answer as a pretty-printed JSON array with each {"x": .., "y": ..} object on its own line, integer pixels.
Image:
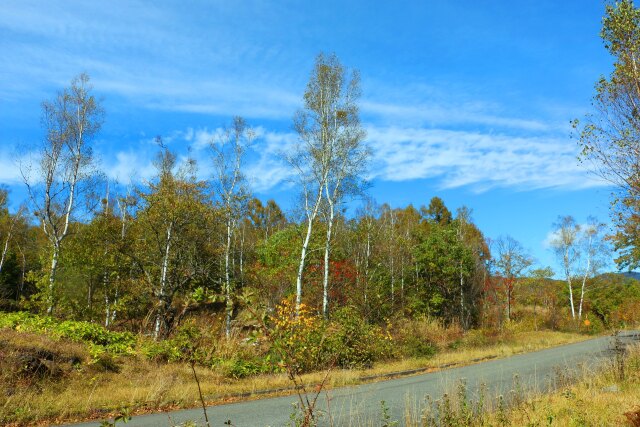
[
  {"x": 264, "y": 166},
  {"x": 268, "y": 168},
  {"x": 454, "y": 158},
  {"x": 478, "y": 160},
  {"x": 142, "y": 52},
  {"x": 437, "y": 113},
  {"x": 10, "y": 167},
  {"x": 129, "y": 166}
]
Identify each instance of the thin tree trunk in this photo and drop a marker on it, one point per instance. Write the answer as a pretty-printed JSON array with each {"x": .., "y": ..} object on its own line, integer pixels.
[
  {"x": 402, "y": 284},
  {"x": 366, "y": 266},
  {"x": 114, "y": 310},
  {"x": 163, "y": 284},
  {"x": 584, "y": 278},
  {"x": 393, "y": 284},
  {"x": 52, "y": 281},
  {"x": 90, "y": 297},
  {"x": 303, "y": 257},
  {"x": 227, "y": 277},
  {"x": 325, "y": 279},
  {"x": 305, "y": 248},
  {"x": 23, "y": 271},
  {"x": 242, "y": 256},
  {"x": 568, "y": 275},
  {"x": 107, "y": 309},
  {"x": 5, "y": 249},
  {"x": 462, "y": 319},
  {"x": 462, "y": 308}
]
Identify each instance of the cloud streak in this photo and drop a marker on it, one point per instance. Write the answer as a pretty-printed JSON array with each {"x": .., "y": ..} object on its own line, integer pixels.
[
  {"x": 473, "y": 159},
  {"x": 453, "y": 158}
]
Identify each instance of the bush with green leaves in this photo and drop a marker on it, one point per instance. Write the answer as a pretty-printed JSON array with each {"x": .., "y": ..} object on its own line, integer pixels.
[
  {"x": 417, "y": 347},
  {"x": 242, "y": 368},
  {"x": 354, "y": 343},
  {"x": 188, "y": 344},
  {"x": 90, "y": 333}
]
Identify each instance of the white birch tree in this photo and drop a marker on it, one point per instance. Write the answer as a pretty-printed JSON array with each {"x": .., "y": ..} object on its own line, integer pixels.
[
  {"x": 8, "y": 225},
  {"x": 64, "y": 166},
  {"x": 580, "y": 250},
  {"x": 564, "y": 241},
  {"x": 329, "y": 115},
  {"x": 592, "y": 249},
  {"x": 229, "y": 147},
  {"x": 347, "y": 154}
]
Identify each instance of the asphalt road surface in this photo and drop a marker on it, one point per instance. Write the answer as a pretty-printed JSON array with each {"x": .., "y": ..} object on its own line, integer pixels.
[{"x": 361, "y": 405}]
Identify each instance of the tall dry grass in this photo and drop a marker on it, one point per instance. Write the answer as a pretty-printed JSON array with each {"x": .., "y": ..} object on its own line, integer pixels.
[
  {"x": 94, "y": 390},
  {"x": 606, "y": 396}
]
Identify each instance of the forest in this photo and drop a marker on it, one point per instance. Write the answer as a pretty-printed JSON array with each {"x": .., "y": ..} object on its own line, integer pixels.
[
  {"x": 190, "y": 269},
  {"x": 148, "y": 256}
]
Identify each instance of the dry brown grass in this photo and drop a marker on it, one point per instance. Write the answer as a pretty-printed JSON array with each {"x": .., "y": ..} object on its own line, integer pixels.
[
  {"x": 597, "y": 400},
  {"x": 89, "y": 391}
]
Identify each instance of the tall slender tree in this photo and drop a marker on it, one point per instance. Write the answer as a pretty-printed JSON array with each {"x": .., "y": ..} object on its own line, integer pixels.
[
  {"x": 329, "y": 154},
  {"x": 8, "y": 225},
  {"x": 171, "y": 228},
  {"x": 348, "y": 156},
  {"x": 610, "y": 135},
  {"x": 512, "y": 260},
  {"x": 564, "y": 241},
  {"x": 229, "y": 148},
  {"x": 64, "y": 166},
  {"x": 592, "y": 249}
]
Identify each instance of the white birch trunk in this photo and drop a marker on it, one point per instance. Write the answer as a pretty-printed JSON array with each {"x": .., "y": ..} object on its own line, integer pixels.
[
  {"x": 327, "y": 249},
  {"x": 462, "y": 321},
  {"x": 242, "y": 257},
  {"x": 366, "y": 266},
  {"x": 163, "y": 284},
  {"x": 568, "y": 275},
  {"x": 5, "y": 249},
  {"x": 305, "y": 247},
  {"x": 107, "y": 309},
  {"x": 52, "y": 281},
  {"x": 586, "y": 275},
  {"x": 227, "y": 278}
]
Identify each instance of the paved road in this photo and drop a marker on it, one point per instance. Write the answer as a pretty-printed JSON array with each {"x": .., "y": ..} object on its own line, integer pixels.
[{"x": 360, "y": 405}]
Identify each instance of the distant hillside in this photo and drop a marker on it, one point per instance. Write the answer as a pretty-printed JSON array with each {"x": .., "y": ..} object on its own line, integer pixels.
[{"x": 630, "y": 274}]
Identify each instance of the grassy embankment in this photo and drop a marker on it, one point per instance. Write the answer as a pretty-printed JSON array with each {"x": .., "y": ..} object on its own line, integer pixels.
[
  {"x": 604, "y": 399},
  {"x": 76, "y": 384},
  {"x": 606, "y": 396}
]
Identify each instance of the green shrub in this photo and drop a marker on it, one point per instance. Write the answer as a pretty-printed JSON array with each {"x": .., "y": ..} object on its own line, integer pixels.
[
  {"x": 304, "y": 342},
  {"x": 476, "y": 338},
  {"x": 85, "y": 332},
  {"x": 159, "y": 351},
  {"x": 354, "y": 343},
  {"x": 188, "y": 344},
  {"x": 244, "y": 368},
  {"x": 417, "y": 347}
]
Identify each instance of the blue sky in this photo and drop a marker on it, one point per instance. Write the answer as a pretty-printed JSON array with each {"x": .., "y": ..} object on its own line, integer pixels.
[{"x": 469, "y": 101}]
